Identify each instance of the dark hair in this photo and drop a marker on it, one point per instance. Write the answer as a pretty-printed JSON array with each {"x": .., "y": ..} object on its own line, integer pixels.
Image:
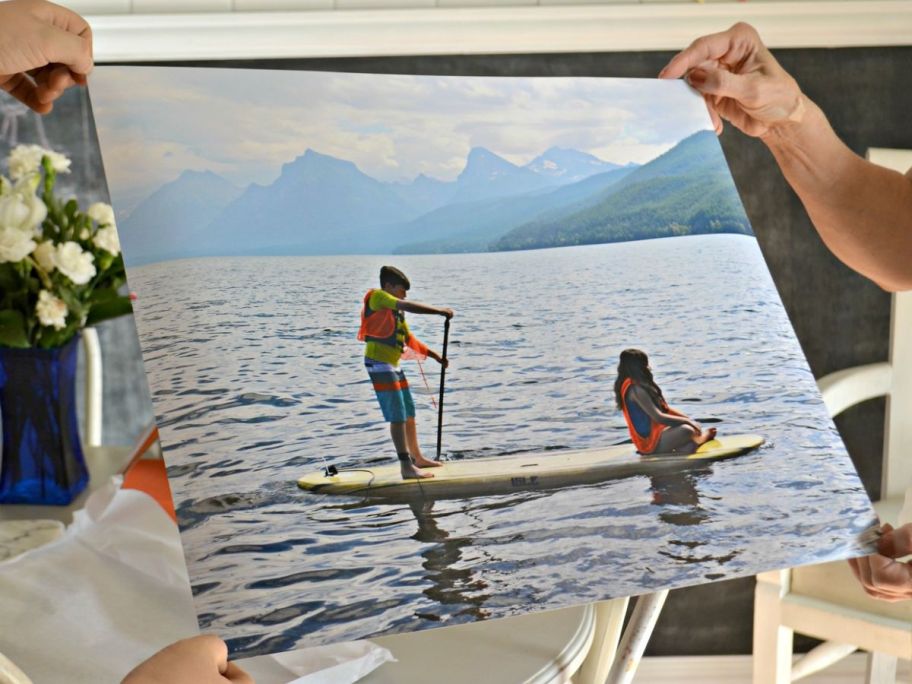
[
  {"x": 393, "y": 276},
  {"x": 634, "y": 364}
]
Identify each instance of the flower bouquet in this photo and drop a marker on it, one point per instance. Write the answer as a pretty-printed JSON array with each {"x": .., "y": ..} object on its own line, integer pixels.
[{"x": 60, "y": 270}]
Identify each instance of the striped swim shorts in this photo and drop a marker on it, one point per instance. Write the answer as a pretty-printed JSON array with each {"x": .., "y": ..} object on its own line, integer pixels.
[{"x": 392, "y": 391}]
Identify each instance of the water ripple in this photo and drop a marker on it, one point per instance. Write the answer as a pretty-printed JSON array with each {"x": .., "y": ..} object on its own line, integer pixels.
[{"x": 255, "y": 383}]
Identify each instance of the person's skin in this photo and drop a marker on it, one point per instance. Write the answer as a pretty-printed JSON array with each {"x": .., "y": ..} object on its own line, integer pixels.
[
  {"x": 405, "y": 435},
  {"x": 198, "y": 660},
  {"x": 44, "y": 49},
  {"x": 881, "y": 575},
  {"x": 401, "y": 293},
  {"x": 683, "y": 434},
  {"x": 863, "y": 212}
]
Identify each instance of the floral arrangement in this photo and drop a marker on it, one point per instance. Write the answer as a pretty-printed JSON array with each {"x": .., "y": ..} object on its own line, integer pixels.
[{"x": 60, "y": 269}]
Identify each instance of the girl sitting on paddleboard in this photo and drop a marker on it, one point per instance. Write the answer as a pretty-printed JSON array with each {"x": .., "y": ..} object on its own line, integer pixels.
[{"x": 654, "y": 427}]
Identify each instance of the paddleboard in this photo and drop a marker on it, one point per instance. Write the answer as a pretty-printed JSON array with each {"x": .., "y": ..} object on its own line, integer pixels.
[{"x": 503, "y": 474}]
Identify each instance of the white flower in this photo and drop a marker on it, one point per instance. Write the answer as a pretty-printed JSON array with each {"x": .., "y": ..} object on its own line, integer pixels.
[
  {"x": 59, "y": 162},
  {"x": 51, "y": 310},
  {"x": 106, "y": 239},
  {"x": 75, "y": 263},
  {"x": 25, "y": 160},
  {"x": 21, "y": 209},
  {"x": 44, "y": 255},
  {"x": 101, "y": 213},
  {"x": 15, "y": 244},
  {"x": 84, "y": 234}
]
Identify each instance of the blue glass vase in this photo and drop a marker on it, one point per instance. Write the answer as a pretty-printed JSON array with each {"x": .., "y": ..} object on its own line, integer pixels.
[{"x": 41, "y": 461}]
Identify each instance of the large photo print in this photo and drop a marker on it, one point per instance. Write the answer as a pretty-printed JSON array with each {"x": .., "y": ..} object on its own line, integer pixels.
[{"x": 431, "y": 350}]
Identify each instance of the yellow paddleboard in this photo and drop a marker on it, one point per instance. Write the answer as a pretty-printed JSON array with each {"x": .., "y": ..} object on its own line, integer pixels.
[{"x": 502, "y": 474}]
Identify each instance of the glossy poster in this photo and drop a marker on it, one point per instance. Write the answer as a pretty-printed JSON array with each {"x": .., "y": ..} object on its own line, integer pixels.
[{"x": 561, "y": 221}]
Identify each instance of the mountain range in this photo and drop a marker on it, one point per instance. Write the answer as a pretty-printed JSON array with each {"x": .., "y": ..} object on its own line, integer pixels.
[
  {"x": 323, "y": 205},
  {"x": 686, "y": 191}
]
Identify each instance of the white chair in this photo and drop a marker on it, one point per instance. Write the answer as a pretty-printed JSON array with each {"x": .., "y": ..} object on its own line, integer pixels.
[{"x": 825, "y": 601}]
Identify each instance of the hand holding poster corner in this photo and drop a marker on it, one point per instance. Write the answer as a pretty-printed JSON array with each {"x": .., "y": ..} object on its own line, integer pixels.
[{"x": 565, "y": 220}]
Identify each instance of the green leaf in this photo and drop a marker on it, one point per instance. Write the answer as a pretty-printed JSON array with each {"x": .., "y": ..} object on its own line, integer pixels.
[
  {"x": 50, "y": 338},
  {"x": 50, "y": 231},
  {"x": 113, "y": 308},
  {"x": 12, "y": 330},
  {"x": 10, "y": 281},
  {"x": 81, "y": 224},
  {"x": 105, "y": 259},
  {"x": 69, "y": 297},
  {"x": 104, "y": 294}
]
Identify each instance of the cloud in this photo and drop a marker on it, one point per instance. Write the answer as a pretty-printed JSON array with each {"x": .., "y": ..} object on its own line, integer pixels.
[{"x": 245, "y": 124}]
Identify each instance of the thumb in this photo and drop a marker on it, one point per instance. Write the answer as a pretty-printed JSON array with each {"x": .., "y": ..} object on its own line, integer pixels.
[
  {"x": 895, "y": 543},
  {"x": 718, "y": 82}
]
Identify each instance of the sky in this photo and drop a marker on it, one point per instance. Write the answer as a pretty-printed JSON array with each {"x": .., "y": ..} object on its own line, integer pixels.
[{"x": 156, "y": 122}]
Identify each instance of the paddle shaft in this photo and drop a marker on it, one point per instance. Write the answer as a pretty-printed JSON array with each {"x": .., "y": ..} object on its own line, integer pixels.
[{"x": 446, "y": 339}]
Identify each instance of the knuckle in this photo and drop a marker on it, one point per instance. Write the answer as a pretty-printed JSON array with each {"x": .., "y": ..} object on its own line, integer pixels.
[
  {"x": 902, "y": 538},
  {"x": 699, "y": 43},
  {"x": 744, "y": 28}
]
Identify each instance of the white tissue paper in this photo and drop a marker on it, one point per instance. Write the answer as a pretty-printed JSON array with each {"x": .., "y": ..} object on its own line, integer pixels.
[
  {"x": 100, "y": 599},
  {"x": 113, "y": 589},
  {"x": 319, "y": 665}
]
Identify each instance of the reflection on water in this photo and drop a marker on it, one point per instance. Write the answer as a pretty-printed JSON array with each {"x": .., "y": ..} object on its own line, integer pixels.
[
  {"x": 257, "y": 379},
  {"x": 449, "y": 586}
]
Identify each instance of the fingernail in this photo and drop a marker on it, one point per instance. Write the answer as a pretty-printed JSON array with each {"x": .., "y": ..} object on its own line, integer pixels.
[{"x": 696, "y": 77}]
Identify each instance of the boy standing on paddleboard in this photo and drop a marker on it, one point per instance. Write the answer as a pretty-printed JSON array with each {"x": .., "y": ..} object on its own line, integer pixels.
[{"x": 388, "y": 339}]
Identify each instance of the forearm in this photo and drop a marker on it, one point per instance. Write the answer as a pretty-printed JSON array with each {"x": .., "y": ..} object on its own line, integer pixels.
[
  {"x": 418, "y": 307},
  {"x": 672, "y": 419},
  {"x": 863, "y": 212}
]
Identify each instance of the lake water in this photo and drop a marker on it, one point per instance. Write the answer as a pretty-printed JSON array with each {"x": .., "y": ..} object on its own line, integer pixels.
[{"x": 257, "y": 378}]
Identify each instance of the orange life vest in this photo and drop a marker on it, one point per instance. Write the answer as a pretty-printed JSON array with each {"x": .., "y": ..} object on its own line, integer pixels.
[
  {"x": 645, "y": 444},
  {"x": 380, "y": 326}
]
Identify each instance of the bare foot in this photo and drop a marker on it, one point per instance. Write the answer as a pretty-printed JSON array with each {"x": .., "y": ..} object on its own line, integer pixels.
[
  {"x": 410, "y": 472},
  {"x": 423, "y": 462},
  {"x": 705, "y": 436}
]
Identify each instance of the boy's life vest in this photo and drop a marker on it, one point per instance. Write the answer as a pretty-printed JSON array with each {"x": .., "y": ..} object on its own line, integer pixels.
[
  {"x": 383, "y": 327},
  {"x": 644, "y": 431}
]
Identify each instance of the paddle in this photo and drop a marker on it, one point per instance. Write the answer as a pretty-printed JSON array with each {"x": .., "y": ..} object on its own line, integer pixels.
[{"x": 446, "y": 339}]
